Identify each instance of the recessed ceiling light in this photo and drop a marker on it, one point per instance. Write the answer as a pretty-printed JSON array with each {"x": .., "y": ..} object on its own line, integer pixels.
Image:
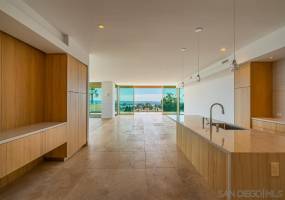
[
  {"x": 271, "y": 57},
  {"x": 101, "y": 26},
  {"x": 199, "y": 29},
  {"x": 183, "y": 49},
  {"x": 223, "y": 49}
]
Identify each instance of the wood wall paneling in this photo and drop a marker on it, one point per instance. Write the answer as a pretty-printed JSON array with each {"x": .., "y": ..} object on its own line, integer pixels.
[
  {"x": 253, "y": 92},
  {"x": 56, "y": 88},
  {"x": 262, "y": 89},
  {"x": 243, "y": 76},
  {"x": 8, "y": 83},
  {"x": 22, "y": 88}
]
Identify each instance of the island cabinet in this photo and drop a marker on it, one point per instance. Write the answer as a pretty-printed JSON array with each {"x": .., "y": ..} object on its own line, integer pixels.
[
  {"x": 253, "y": 92},
  {"x": 236, "y": 164}
]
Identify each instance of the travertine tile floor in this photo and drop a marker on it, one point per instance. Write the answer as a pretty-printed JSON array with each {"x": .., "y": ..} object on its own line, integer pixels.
[{"x": 128, "y": 158}]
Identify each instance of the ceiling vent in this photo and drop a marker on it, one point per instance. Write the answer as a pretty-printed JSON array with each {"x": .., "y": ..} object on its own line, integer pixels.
[{"x": 65, "y": 39}]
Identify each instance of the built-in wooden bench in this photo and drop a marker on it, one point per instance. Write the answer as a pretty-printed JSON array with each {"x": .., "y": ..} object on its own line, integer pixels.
[
  {"x": 272, "y": 125},
  {"x": 21, "y": 146}
]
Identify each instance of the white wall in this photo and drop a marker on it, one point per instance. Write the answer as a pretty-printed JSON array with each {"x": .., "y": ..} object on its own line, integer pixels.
[
  {"x": 108, "y": 98},
  {"x": 217, "y": 88}
]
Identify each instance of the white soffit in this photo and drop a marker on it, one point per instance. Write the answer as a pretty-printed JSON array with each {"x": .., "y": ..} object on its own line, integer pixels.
[{"x": 22, "y": 22}]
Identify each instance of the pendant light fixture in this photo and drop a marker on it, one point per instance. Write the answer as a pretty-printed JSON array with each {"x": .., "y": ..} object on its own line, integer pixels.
[
  {"x": 234, "y": 65},
  {"x": 198, "y": 30},
  {"x": 183, "y": 50}
]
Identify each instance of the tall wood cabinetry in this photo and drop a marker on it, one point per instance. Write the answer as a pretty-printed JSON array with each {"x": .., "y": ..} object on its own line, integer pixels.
[
  {"x": 73, "y": 102},
  {"x": 253, "y": 92},
  {"x": 43, "y": 107}
]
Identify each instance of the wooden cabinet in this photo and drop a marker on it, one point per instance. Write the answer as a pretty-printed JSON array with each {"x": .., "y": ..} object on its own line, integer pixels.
[
  {"x": 70, "y": 94},
  {"x": 35, "y": 88},
  {"x": 253, "y": 92},
  {"x": 22, "y": 151},
  {"x": 77, "y": 76},
  {"x": 242, "y": 107},
  {"x": 72, "y": 74},
  {"x": 3, "y": 158},
  {"x": 82, "y": 126},
  {"x": 28, "y": 144},
  {"x": 208, "y": 159},
  {"x": 77, "y": 122},
  {"x": 83, "y": 79},
  {"x": 53, "y": 138},
  {"x": 72, "y": 123}
]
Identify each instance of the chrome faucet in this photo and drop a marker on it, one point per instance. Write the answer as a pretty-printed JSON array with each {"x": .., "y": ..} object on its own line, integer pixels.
[{"x": 211, "y": 117}]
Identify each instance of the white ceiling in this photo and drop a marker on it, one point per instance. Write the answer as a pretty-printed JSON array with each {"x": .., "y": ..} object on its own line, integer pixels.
[{"x": 141, "y": 41}]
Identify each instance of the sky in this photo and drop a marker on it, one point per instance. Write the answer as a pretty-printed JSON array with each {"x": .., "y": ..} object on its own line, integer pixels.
[
  {"x": 141, "y": 94},
  {"x": 148, "y": 94}
]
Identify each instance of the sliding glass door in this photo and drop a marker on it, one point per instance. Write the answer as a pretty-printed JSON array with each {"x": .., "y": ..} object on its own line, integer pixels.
[
  {"x": 116, "y": 102},
  {"x": 95, "y": 99},
  {"x": 169, "y": 100},
  {"x": 148, "y": 99},
  {"x": 126, "y": 99},
  {"x": 181, "y": 101},
  {"x": 164, "y": 99}
]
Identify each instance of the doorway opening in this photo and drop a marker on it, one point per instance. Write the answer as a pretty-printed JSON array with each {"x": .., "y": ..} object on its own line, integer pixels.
[{"x": 147, "y": 99}]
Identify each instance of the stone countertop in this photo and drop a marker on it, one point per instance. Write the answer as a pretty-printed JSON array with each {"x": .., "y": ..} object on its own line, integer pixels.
[
  {"x": 273, "y": 120},
  {"x": 14, "y": 134},
  {"x": 234, "y": 141}
]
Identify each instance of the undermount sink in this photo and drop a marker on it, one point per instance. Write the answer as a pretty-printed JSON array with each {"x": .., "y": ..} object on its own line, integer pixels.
[
  {"x": 232, "y": 127},
  {"x": 227, "y": 126}
]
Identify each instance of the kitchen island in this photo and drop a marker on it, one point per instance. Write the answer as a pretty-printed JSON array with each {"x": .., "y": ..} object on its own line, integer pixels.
[{"x": 237, "y": 164}]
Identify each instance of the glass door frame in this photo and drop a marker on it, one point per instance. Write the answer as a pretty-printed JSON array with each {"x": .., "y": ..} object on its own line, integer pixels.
[
  {"x": 177, "y": 98},
  {"x": 119, "y": 100},
  {"x": 133, "y": 99},
  {"x": 94, "y": 85}
]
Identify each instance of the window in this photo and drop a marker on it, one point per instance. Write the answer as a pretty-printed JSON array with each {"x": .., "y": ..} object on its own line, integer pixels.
[
  {"x": 148, "y": 99},
  {"x": 95, "y": 99},
  {"x": 169, "y": 100},
  {"x": 126, "y": 98},
  {"x": 181, "y": 100}
]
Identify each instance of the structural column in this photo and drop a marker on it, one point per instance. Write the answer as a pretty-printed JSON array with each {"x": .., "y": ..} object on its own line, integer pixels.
[{"x": 108, "y": 99}]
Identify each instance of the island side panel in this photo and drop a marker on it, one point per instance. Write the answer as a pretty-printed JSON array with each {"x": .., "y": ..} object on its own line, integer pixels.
[
  {"x": 209, "y": 160},
  {"x": 252, "y": 175}
]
